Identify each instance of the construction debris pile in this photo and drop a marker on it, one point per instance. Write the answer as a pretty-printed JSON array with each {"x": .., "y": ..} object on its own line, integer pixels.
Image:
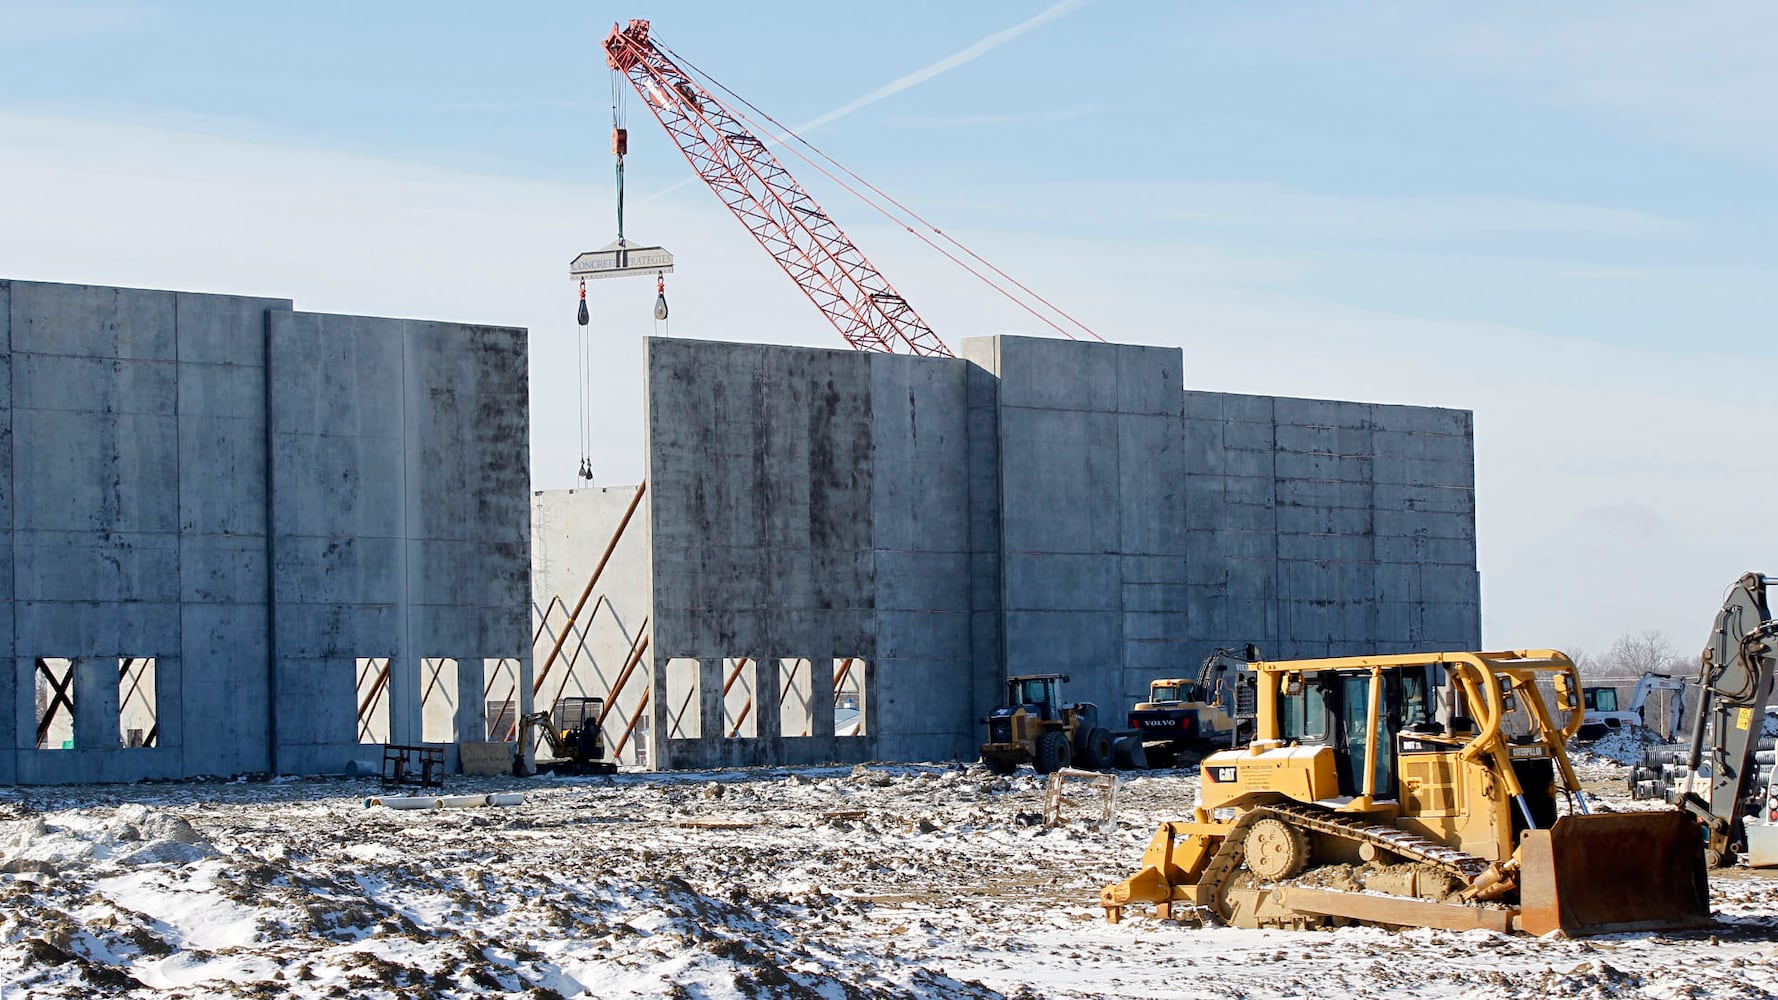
[{"x": 873, "y": 881}]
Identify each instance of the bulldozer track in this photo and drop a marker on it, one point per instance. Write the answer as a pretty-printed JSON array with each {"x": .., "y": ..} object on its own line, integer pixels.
[
  {"x": 1227, "y": 859},
  {"x": 1462, "y": 864}
]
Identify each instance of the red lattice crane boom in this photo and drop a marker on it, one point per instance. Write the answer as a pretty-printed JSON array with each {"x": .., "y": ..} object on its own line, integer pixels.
[{"x": 818, "y": 256}]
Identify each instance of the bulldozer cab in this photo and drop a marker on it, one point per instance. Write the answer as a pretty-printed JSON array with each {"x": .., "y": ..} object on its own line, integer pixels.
[
  {"x": 1333, "y": 708},
  {"x": 1037, "y": 692}
]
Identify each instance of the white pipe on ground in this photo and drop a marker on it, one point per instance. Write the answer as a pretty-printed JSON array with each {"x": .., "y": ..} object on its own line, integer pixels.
[
  {"x": 404, "y": 801},
  {"x": 446, "y": 801}
]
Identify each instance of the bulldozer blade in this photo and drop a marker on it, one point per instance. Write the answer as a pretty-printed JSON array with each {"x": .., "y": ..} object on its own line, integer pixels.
[{"x": 1613, "y": 872}]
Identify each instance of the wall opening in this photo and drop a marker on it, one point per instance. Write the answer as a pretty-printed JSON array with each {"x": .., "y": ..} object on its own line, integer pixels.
[
  {"x": 138, "y": 702},
  {"x": 54, "y": 683},
  {"x": 438, "y": 699},
  {"x": 740, "y": 720},
  {"x": 683, "y": 710},
  {"x": 500, "y": 699},
  {"x": 796, "y": 698},
  {"x": 850, "y": 683},
  {"x": 373, "y": 699}
]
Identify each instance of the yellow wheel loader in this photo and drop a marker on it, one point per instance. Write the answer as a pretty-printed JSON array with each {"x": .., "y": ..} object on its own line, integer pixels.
[
  {"x": 1035, "y": 728},
  {"x": 1416, "y": 791}
]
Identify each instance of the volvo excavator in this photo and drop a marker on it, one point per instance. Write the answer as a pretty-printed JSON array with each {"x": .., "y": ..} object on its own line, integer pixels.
[{"x": 1416, "y": 790}]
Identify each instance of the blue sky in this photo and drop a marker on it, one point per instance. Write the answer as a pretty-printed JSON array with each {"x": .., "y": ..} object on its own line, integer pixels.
[{"x": 1558, "y": 216}]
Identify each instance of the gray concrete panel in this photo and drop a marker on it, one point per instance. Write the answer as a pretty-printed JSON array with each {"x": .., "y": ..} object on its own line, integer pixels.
[
  {"x": 141, "y": 420},
  {"x": 1058, "y": 481},
  {"x": 922, "y": 581},
  {"x": 488, "y": 632},
  {"x": 1238, "y": 408},
  {"x": 96, "y": 566},
  {"x": 1146, "y": 596},
  {"x": 1151, "y": 485},
  {"x": 92, "y": 321},
  {"x": 1322, "y": 493},
  {"x": 94, "y": 471},
  {"x": 339, "y": 376},
  {"x": 465, "y": 392},
  {"x": 1425, "y": 524},
  {"x": 340, "y": 570},
  {"x": 223, "y": 329},
  {"x": 1169, "y": 568},
  {"x": 222, "y": 569},
  {"x": 337, "y": 485},
  {"x": 1038, "y": 581},
  {"x": 1148, "y": 380},
  {"x": 95, "y": 703},
  {"x": 1423, "y": 472},
  {"x": 1047, "y": 374},
  {"x": 1324, "y": 440},
  {"x": 222, "y": 688},
  {"x": 934, "y": 635},
  {"x": 314, "y": 631},
  {"x": 1295, "y": 465},
  {"x": 1061, "y": 641},
  {"x": 67, "y": 384},
  {"x": 1425, "y": 550},
  {"x": 232, "y": 392},
  {"x": 436, "y": 573},
  {"x": 70, "y": 628},
  {"x": 1439, "y": 499},
  {"x": 1322, "y": 413},
  {"x": 1201, "y": 447},
  {"x": 1422, "y": 420},
  {"x": 222, "y": 476},
  {"x": 317, "y": 703}
]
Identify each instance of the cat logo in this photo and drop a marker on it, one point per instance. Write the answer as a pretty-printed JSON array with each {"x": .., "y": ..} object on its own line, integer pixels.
[{"x": 1221, "y": 775}]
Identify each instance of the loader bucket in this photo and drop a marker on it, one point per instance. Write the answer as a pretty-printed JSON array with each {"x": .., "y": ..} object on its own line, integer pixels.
[{"x": 1612, "y": 872}]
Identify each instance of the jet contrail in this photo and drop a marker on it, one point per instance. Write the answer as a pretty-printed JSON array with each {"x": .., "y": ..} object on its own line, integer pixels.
[
  {"x": 944, "y": 65},
  {"x": 915, "y": 78}
]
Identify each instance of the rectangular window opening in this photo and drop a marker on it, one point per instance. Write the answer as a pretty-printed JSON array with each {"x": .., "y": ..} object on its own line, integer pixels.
[
  {"x": 500, "y": 699},
  {"x": 683, "y": 714},
  {"x": 850, "y": 683},
  {"x": 739, "y": 685},
  {"x": 373, "y": 699},
  {"x": 54, "y": 682},
  {"x": 438, "y": 699},
  {"x": 138, "y": 702},
  {"x": 796, "y": 698}
]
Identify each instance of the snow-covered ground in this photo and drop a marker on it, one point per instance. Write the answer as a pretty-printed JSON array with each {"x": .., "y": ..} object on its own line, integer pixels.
[{"x": 842, "y": 883}]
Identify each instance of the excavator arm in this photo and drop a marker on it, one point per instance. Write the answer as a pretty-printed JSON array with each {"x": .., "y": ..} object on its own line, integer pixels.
[
  {"x": 1648, "y": 685},
  {"x": 1735, "y": 679}
]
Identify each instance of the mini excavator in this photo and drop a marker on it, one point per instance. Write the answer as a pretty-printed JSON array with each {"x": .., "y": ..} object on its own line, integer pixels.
[{"x": 1417, "y": 790}]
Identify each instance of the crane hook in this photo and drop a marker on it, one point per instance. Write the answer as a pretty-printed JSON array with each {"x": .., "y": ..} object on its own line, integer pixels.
[
  {"x": 583, "y": 315},
  {"x": 660, "y": 297}
]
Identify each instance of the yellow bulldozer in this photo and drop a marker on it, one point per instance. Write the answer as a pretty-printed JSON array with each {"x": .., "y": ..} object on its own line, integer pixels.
[{"x": 1419, "y": 790}]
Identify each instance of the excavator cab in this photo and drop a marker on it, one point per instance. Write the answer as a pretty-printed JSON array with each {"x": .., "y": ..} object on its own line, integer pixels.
[{"x": 1423, "y": 790}]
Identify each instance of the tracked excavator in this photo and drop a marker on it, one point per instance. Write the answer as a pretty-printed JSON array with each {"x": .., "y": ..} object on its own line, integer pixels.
[{"x": 1416, "y": 790}]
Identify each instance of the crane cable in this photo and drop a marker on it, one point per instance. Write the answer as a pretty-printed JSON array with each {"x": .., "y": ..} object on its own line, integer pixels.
[
  {"x": 584, "y": 358},
  {"x": 786, "y": 132}
]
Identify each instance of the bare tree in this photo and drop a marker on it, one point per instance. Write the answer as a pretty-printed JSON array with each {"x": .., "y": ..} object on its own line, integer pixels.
[{"x": 1635, "y": 654}]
